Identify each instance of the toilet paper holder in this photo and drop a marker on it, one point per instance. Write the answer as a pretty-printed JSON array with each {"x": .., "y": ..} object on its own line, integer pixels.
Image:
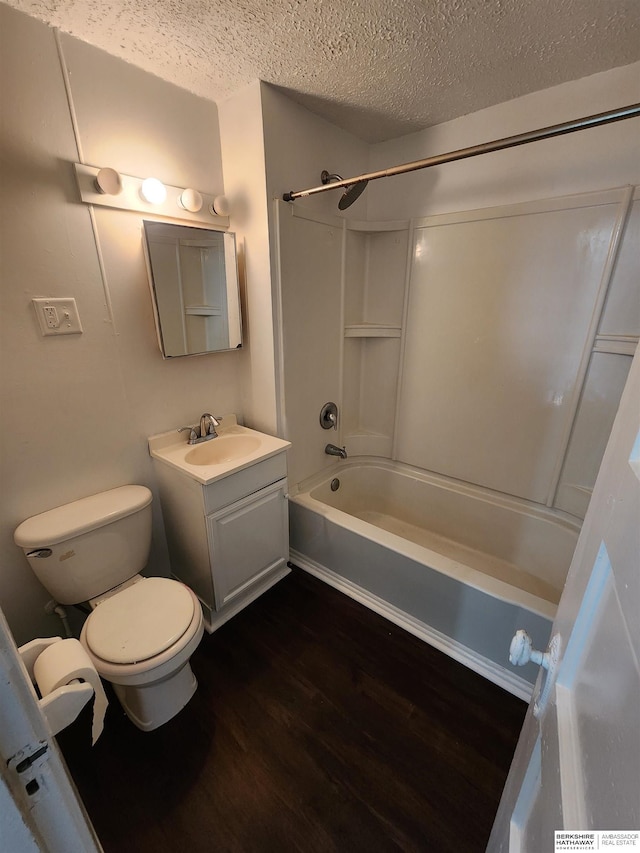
[{"x": 62, "y": 705}]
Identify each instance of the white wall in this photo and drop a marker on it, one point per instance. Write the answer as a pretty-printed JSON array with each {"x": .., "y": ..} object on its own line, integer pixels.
[
  {"x": 241, "y": 134},
  {"x": 308, "y": 314},
  {"x": 499, "y": 320},
  {"x": 77, "y": 410},
  {"x": 299, "y": 145},
  {"x": 599, "y": 158}
]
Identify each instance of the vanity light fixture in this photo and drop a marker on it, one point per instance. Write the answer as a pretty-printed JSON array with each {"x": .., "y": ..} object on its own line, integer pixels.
[
  {"x": 108, "y": 182},
  {"x": 153, "y": 191},
  {"x": 108, "y": 188}
]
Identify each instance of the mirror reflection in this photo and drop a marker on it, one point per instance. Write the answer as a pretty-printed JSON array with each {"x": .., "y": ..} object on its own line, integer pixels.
[{"x": 193, "y": 275}]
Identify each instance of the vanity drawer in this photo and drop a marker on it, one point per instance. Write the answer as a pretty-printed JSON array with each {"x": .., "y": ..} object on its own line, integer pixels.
[{"x": 245, "y": 482}]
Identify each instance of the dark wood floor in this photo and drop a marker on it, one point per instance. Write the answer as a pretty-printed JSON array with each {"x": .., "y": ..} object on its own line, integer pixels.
[{"x": 317, "y": 726}]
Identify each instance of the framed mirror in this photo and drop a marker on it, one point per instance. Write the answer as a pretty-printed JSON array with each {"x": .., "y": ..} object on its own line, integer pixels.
[{"x": 193, "y": 276}]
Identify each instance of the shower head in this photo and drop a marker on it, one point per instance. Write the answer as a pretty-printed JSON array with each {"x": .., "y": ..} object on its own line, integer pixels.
[{"x": 350, "y": 194}]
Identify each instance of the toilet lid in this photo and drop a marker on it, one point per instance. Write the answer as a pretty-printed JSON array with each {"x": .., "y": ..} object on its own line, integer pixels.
[{"x": 141, "y": 621}]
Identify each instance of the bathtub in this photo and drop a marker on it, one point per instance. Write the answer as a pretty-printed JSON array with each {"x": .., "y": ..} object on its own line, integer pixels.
[{"x": 458, "y": 566}]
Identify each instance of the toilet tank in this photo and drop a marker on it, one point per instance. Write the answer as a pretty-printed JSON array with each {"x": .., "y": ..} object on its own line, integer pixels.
[{"x": 82, "y": 549}]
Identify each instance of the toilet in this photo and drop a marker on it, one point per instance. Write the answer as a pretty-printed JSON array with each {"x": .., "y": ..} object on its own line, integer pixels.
[{"x": 141, "y": 631}]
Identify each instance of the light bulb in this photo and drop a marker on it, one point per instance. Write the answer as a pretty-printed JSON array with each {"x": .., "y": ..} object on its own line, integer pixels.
[
  {"x": 153, "y": 191},
  {"x": 190, "y": 200},
  {"x": 108, "y": 182},
  {"x": 220, "y": 206}
]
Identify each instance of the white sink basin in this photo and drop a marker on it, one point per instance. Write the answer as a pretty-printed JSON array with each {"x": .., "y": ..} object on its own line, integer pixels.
[
  {"x": 236, "y": 447},
  {"x": 225, "y": 448}
]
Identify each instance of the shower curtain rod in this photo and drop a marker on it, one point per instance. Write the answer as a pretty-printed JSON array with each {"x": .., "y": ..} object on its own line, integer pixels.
[{"x": 596, "y": 120}]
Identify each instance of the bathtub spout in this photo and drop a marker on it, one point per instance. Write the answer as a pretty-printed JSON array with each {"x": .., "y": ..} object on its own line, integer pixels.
[{"x": 332, "y": 450}]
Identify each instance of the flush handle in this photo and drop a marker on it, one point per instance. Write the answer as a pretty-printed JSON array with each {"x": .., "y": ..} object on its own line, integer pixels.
[{"x": 40, "y": 552}]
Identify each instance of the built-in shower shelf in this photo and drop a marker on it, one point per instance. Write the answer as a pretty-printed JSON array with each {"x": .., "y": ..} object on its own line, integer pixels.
[
  {"x": 372, "y": 330},
  {"x": 203, "y": 310},
  {"x": 616, "y": 344}
]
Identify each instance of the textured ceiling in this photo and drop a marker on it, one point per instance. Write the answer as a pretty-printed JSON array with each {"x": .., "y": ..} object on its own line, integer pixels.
[{"x": 378, "y": 68}]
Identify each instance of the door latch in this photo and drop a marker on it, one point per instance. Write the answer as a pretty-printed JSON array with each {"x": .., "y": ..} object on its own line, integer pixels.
[{"x": 28, "y": 764}]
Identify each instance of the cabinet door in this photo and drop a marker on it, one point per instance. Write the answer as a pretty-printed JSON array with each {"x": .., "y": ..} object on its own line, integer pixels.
[{"x": 248, "y": 540}]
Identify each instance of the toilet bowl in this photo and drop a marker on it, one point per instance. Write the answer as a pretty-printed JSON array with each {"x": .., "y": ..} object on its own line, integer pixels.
[
  {"x": 140, "y": 638},
  {"x": 141, "y": 631}
]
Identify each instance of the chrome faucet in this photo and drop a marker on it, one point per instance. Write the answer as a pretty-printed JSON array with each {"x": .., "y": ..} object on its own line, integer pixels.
[
  {"x": 207, "y": 428},
  {"x": 332, "y": 450}
]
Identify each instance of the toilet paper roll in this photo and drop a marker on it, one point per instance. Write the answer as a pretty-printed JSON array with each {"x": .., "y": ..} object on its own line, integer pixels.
[{"x": 65, "y": 662}]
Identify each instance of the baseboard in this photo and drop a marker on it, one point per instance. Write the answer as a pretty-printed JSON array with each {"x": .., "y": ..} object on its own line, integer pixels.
[
  {"x": 215, "y": 619},
  {"x": 499, "y": 675}
]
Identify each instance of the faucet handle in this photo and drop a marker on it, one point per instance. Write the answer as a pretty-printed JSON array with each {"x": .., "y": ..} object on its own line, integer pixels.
[{"x": 192, "y": 434}]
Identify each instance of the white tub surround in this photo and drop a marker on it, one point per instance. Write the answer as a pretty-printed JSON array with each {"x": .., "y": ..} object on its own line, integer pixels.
[
  {"x": 459, "y": 566},
  {"x": 484, "y": 352},
  {"x": 490, "y": 346}
]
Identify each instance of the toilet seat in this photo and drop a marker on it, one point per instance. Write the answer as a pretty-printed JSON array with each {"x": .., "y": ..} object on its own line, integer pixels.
[
  {"x": 156, "y": 668},
  {"x": 154, "y": 690},
  {"x": 140, "y": 622}
]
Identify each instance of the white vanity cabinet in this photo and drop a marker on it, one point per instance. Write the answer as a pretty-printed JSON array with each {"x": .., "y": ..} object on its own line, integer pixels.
[{"x": 228, "y": 540}]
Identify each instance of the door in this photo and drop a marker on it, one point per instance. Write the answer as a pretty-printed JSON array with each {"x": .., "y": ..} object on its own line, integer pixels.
[
  {"x": 249, "y": 540},
  {"x": 40, "y": 809},
  {"x": 577, "y": 763}
]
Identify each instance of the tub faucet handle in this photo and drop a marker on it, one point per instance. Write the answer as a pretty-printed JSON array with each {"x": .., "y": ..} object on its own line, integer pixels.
[{"x": 329, "y": 416}]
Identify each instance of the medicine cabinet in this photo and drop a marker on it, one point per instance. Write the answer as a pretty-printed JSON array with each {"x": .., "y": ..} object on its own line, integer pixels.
[{"x": 193, "y": 277}]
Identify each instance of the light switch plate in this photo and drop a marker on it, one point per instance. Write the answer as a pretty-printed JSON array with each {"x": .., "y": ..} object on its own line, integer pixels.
[{"x": 57, "y": 316}]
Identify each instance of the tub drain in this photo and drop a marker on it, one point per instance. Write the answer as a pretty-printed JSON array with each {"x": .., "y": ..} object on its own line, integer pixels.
[{"x": 335, "y": 484}]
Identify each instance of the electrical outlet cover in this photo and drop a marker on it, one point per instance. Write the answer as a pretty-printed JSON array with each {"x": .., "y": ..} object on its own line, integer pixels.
[{"x": 67, "y": 313}]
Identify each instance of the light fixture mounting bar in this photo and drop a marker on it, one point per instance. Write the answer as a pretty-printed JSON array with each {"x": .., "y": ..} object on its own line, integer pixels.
[
  {"x": 129, "y": 198},
  {"x": 632, "y": 111}
]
